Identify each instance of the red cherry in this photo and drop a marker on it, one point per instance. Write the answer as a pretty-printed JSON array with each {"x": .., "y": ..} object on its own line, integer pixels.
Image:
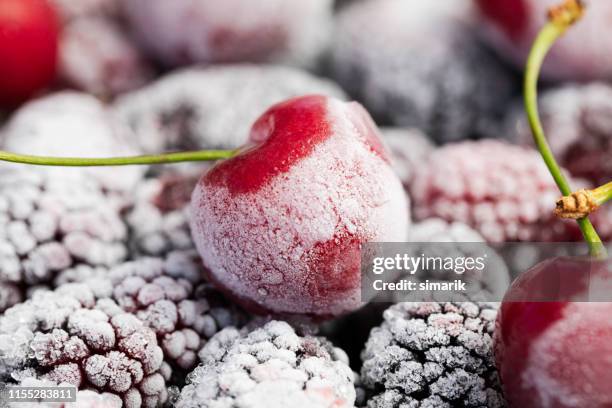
[
  {"x": 280, "y": 226},
  {"x": 29, "y": 31},
  {"x": 553, "y": 348}
]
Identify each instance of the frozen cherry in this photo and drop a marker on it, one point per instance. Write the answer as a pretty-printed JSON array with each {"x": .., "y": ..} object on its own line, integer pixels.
[
  {"x": 585, "y": 53},
  {"x": 181, "y": 32},
  {"x": 280, "y": 225},
  {"x": 552, "y": 346},
  {"x": 28, "y": 49}
]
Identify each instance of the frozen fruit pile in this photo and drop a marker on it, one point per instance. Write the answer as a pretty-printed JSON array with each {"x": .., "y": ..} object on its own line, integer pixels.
[{"x": 350, "y": 121}]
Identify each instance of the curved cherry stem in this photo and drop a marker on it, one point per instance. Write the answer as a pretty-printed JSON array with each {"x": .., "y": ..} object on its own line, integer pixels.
[
  {"x": 560, "y": 19},
  {"x": 178, "y": 157}
]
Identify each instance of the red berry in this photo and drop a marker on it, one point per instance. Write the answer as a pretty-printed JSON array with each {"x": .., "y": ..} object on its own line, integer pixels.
[
  {"x": 556, "y": 354},
  {"x": 28, "y": 49},
  {"x": 502, "y": 191},
  {"x": 281, "y": 224},
  {"x": 584, "y": 53}
]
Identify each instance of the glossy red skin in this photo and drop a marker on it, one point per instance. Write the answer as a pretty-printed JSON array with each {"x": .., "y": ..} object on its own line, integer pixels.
[
  {"x": 526, "y": 315},
  {"x": 29, "y": 32}
]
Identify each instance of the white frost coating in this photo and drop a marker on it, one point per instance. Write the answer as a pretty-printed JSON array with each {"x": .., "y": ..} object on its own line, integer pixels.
[
  {"x": 98, "y": 57},
  {"x": 50, "y": 222},
  {"x": 270, "y": 367},
  {"x": 213, "y": 107},
  {"x": 64, "y": 336},
  {"x": 181, "y": 32},
  {"x": 255, "y": 249},
  {"x": 70, "y": 124},
  {"x": 554, "y": 373},
  {"x": 502, "y": 191}
]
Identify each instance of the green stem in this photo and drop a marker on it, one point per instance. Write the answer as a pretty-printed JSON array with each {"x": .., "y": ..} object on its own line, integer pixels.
[
  {"x": 602, "y": 194},
  {"x": 202, "y": 155},
  {"x": 554, "y": 29}
]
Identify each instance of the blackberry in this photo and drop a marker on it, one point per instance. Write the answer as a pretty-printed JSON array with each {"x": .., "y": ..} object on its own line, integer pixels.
[
  {"x": 50, "y": 223},
  {"x": 158, "y": 219},
  {"x": 74, "y": 124},
  {"x": 213, "y": 107},
  {"x": 435, "y": 236},
  {"x": 419, "y": 64},
  {"x": 502, "y": 191},
  {"x": 97, "y": 56},
  {"x": 183, "y": 32},
  {"x": 578, "y": 123},
  {"x": 269, "y": 367},
  {"x": 84, "y": 398},
  {"x": 408, "y": 148},
  {"x": 432, "y": 355},
  {"x": 66, "y": 337},
  {"x": 169, "y": 297}
]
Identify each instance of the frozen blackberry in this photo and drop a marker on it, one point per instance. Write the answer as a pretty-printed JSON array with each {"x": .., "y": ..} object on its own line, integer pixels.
[
  {"x": 418, "y": 63},
  {"x": 158, "y": 220},
  {"x": 408, "y": 147},
  {"x": 97, "y": 56},
  {"x": 84, "y": 398},
  {"x": 49, "y": 223},
  {"x": 182, "y": 32},
  {"x": 65, "y": 337},
  {"x": 269, "y": 367},
  {"x": 214, "y": 107},
  {"x": 432, "y": 355},
  {"x": 578, "y": 122},
  {"x": 169, "y": 296},
  {"x": 502, "y": 191},
  {"x": 435, "y": 236},
  {"x": 74, "y": 124}
]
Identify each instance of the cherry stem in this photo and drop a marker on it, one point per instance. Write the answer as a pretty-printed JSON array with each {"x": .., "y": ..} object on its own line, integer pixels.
[
  {"x": 560, "y": 19},
  {"x": 602, "y": 194},
  {"x": 178, "y": 157}
]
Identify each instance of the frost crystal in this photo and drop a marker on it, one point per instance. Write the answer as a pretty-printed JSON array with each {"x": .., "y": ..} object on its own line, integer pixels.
[
  {"x": 269, "y": 367},
  {"x": 432, "y": 355},
  {"x": 65, "y": 337},
  {"x": 213, "y": 107}
]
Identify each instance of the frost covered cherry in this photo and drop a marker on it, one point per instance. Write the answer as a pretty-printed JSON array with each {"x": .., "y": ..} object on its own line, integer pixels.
[
  {"x": 556, "y": 353},
  {"x": 181, "y": 32},
  {"x": 28, "y": 49},
  {"x": 280, "y": 226},
  {"x": 584, "y": 53}
]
